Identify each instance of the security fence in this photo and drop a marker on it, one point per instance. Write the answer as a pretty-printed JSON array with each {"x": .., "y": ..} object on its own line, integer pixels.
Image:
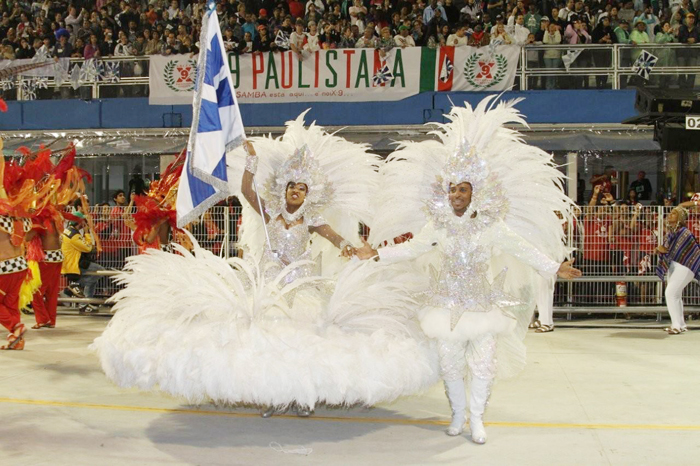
[
  {"x": 614, "y": 247},
  {"x": 216, "y": 230}
]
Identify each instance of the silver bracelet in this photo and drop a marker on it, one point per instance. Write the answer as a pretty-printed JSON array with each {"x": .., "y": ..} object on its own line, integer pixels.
[
  {"x": 344, "y": 244},
  {"x": 251, "y": 164}
]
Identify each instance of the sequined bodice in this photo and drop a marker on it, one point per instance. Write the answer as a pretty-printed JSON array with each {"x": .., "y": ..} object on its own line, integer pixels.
[
  {"x": 291, "y": 244},
  {"x": 463, "y": 283},
  {"x": 464, "y": 266}
]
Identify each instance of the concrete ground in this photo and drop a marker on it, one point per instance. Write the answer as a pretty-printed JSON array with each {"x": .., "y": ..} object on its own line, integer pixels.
[{"x": 588, "y": 396}]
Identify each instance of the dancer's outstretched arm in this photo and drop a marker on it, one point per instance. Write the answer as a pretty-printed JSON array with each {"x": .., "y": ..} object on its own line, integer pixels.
[
  {"x": 511, "y": 243},
  {"x": 247, "y": 182},
  {"x": 424, "y": 242},
  {"x": 346, "y": 249}
]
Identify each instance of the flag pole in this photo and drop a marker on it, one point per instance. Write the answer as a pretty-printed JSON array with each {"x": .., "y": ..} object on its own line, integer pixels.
[{"x": 260, "y": 207}]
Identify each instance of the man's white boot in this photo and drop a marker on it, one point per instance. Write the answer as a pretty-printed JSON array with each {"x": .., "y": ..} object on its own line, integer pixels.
[
  {"x": 458, "y": 403},
  {"x": 479, "y": 397}
]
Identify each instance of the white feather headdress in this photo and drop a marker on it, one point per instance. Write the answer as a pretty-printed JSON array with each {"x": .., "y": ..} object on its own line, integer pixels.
[
  {"x": 341, "y": 176},
  {"x": 511, "y": 181}
]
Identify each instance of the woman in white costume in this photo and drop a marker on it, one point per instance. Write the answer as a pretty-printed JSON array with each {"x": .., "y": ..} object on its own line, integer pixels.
[
  {"x": 485, "y": 203},
  {"x": 267, "y": 330}
]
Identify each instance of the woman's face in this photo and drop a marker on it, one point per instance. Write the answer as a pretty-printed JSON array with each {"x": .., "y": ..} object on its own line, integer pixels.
[
  {"x": 460, "y": 196},
  {"x": 672, "y": 218},
  {"x": 296, "y": 194}
]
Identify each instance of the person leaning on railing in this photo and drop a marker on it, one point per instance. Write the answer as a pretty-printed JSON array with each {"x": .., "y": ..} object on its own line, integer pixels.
[
  {"x": 603, "y": 34},
  {"x": 666, "y": 56},
  {"x": 552, "y": 57},
  {"x": 688, "y": 56}
]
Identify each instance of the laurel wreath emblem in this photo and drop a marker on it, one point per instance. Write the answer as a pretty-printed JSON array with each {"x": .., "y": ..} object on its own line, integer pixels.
[
  {"x": 170, "y": 78},
  {"x": 470, "y": 71}
]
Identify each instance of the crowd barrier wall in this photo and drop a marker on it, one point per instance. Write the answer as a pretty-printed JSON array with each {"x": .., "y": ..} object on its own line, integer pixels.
[{"x": 553, "y": 106}]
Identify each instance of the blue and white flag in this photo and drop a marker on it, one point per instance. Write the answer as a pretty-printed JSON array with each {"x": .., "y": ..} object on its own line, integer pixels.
[
  {"x": 644, "y": 64},
  {"x": 216, "y": 128},
  {"x": 383, "y": 76}
]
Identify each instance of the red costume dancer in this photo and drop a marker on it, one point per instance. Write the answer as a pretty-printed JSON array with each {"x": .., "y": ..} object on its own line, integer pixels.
[
  {"x": 49, "y": 224},
  {"x": 20, "y": 197},
  {"x": 155, "y": 215}
]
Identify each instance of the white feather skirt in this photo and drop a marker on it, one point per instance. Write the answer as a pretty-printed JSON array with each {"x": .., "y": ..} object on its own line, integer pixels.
[{"x": 195, "y": 327}]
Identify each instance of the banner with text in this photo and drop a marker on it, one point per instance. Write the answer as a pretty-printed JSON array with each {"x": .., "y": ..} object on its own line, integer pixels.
[
  {"x": 348, "y": 75},
  {"x": 343, "y": 75}
]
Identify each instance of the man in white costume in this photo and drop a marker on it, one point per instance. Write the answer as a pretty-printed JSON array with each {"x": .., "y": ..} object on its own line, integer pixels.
[{"x": 491, "y": 192}]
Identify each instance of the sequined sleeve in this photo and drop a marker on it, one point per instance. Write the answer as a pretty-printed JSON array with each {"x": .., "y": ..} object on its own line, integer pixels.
[
  {"x": 316, "y": 220},
  {"x": 511, "y": 243},
  {"x": 424, "y": 242}
]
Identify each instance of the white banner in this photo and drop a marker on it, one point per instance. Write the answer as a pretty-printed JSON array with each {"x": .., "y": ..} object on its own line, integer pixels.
[
  {"x": 171, "y": 79},
  {"x": 345, "y": 75},
  {"x": 484, "y": 68}
]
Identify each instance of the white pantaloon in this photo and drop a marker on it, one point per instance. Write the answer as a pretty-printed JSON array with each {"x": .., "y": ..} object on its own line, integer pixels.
[
  {"x": 544, "y": 298},
  {"x": 478, "y": 354},
  {"x": 677, "y": 278}
]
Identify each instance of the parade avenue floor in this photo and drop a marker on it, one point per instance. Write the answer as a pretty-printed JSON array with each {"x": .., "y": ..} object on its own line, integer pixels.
[{"x": 588, "y": 396}]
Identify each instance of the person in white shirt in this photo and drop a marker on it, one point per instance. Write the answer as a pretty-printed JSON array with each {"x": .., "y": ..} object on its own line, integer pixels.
[
  {"x": 567, "y": 11},
  {"x": 459, "y": 38},
  {"x": 403, "y": 39},
  {"x": 516, "y": 28},
  {"x": 312, "y": 42},
  {"x": 354, "y": 12},
  {"x": 123, "y": 48},
  {"x": 174, "y": 10},
  {"x": 320, "y": 7},
  {"x": 367, "y": 41},
  {"x": 297, "y": 39},
  {"x": 472, "y": 8},
  {"x": 73, "y": 21}
]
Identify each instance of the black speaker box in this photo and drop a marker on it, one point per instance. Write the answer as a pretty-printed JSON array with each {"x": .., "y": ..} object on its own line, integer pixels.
[
  {"x": 674, "y": 136},
  {"x": 667, "y": 101}
]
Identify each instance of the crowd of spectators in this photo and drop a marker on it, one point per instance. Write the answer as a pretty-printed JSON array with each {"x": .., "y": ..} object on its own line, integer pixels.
[{"x": 98, "y": 28}]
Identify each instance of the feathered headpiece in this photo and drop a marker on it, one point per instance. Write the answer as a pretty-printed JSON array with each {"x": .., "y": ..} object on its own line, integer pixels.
[
  {"x": 301, "y": 167},
  {"x": 340, "y": 175},
  {"x": 511, "y": 181}
]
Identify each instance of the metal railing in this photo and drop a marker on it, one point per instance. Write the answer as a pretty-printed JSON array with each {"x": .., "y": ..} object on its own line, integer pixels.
[
  {"x": 217, "y": 231},
  {"x": 607, "y": 66},
  {"x": 540, "y": 67},
  {"x": 614, "y": 249}
]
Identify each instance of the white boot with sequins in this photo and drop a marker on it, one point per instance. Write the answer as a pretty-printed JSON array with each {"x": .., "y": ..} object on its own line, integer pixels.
[
  {"x": 479, "y": 397},
  {"x": 458, "y": 403}
]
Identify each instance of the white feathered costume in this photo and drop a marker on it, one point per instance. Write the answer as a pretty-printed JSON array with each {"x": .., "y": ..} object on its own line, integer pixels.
[
  {"x": 204, "y": 328},
  {"x": 485, "y": 261}
]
